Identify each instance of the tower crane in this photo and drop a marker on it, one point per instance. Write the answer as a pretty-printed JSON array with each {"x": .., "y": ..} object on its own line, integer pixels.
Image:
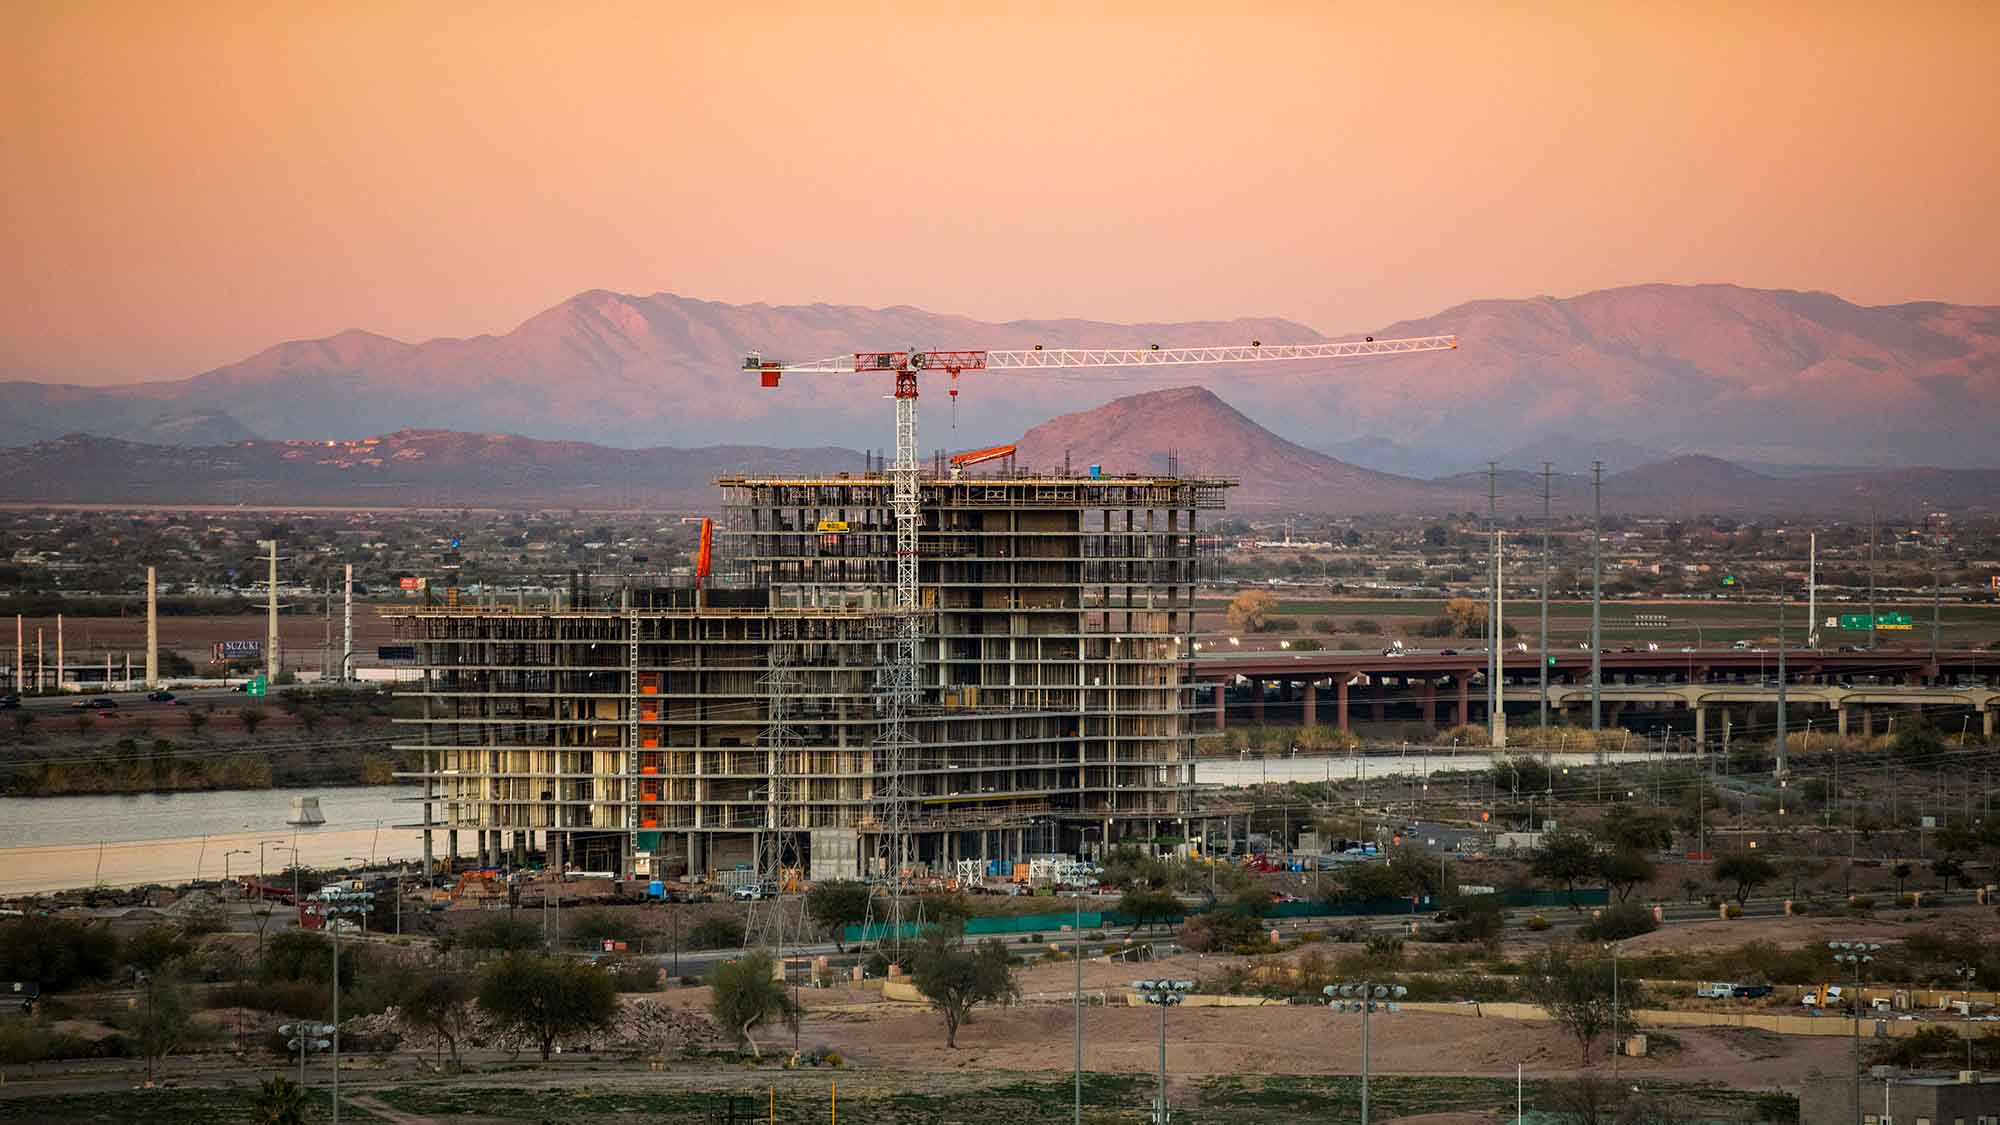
[{"x": 900, "y": 689}]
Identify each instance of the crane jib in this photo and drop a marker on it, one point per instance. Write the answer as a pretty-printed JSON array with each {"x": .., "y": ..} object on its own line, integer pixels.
[{"x": 911, "y": 360}]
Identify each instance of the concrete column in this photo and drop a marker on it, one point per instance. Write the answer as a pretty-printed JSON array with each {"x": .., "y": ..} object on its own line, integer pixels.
[
  {"x": 1986, "y": 721},
  {"x": 1221, "y": 706},
  {"x": 1463, "y": 680},
  {"x": 1427, "y": 694},
  {"x": 1311, "y": 714},
  {"x": 1841, "y": 717},
  {"x": 1700, "y": 725},
  {"x": 1257, "y": 702},
  {"x": 1378, "y": 708},
  {"x": 1340, "y": 699},
  {"x": 1867, "y": 721}
]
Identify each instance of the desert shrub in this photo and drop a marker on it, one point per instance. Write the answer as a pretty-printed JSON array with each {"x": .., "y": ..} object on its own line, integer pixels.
[
  {"x": 715, "y": 933},
  {"x": 634, "y": 976},
  {"x": 1732, "y": 911},
  {"x": 1537, "y": 923},
  {"x": 1615, "y": 923},
  {"x": 1219, "y": 930},
  {"x": 1861, "y": 904}
]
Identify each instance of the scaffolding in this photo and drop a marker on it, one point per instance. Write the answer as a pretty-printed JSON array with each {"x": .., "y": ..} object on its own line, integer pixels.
[{"x": 759, "y": 725}]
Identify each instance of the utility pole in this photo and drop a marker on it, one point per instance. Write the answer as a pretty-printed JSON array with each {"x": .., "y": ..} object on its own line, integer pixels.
[
  {"x": 326, "y": 635},
  {"x": 1936, "y": 578},
  {"x": 1597, "y": 600},
  {"x": 271, "y": 615},
  {"x": 1544, "y": 646},
  {"x": 1871, "y": 581},
  {"x": 1492, "y": 595},
  {"x": 152, "y": 630},
  {"x": 347, "y": 625},
  {"x": 20, "y": 685},
  {"x": 1783, "y": 761},
  {"x": 1812, "y": 591},
  {"x": 1499, "y": 638}
]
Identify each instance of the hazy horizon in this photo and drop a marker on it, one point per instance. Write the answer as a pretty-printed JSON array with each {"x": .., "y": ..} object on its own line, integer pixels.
[{"x": 195, "y": 183}]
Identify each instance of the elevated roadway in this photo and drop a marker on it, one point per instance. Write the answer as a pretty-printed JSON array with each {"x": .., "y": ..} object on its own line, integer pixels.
[{"x": 1846, "y": 685}]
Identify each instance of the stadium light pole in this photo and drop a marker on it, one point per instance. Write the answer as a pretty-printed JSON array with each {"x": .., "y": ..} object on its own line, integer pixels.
[
  {"x": 1597, "y": 600},
  {"x": 1857, "y": 954},
  {"x": 1166, "y": 994},
  {"x": 1363, "y": 998}
]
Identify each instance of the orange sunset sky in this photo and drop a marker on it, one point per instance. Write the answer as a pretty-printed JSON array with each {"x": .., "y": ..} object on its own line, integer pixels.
[{"x": 186, "y": 182}]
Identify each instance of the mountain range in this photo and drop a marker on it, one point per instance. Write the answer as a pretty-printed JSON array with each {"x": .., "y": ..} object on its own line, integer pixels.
[
  {"x": 1629, "y": 376},
  {"x": 1185, "y": 429}
]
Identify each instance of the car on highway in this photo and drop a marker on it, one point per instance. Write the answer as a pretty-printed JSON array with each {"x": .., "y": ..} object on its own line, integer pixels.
[
  {"x": 161, "y": 696},
  {"x": 10, "y": 703},
  {"x": 94, "y": 703}
]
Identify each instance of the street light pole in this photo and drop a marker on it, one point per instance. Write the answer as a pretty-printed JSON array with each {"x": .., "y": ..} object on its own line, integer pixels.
[
  {"x": 333, "y": 903},
  {"x": 1857, "y": 954}
]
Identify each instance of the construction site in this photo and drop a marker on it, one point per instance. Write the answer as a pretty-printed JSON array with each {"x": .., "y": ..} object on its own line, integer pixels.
[{"x": 741, "y": 720}]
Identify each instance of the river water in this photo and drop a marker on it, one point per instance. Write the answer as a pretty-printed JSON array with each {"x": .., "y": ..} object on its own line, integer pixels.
[{"x": 50, "y": 843}]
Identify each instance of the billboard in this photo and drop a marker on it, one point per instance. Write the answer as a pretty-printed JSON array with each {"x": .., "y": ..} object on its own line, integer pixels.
[
  {"x": 409, "y": 583},
  {"x": 226, "y": 651}
]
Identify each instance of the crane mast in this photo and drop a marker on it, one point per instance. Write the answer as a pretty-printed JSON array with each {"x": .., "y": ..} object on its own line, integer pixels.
[{"x": 898, "y": 690}]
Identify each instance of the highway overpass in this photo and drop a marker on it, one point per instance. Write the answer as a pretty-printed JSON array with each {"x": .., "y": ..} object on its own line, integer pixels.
[{"x": 1841, "y": 691}]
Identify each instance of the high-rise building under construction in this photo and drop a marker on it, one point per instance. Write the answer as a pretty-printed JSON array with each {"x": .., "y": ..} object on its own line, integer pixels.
[{"x": 659, "y": 729}]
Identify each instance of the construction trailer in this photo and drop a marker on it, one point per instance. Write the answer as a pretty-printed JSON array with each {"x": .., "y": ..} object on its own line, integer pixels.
[{"x": 737, "y": 723}]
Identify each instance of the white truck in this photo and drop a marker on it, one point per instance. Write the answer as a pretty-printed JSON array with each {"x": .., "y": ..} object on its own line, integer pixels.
[{"x": 1716, "y": 990}]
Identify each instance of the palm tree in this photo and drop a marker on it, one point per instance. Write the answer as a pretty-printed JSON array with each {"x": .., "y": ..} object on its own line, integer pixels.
[{"x": 280, "y": 1101}]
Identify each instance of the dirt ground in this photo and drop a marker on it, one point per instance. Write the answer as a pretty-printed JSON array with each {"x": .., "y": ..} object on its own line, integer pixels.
[{"x": 1274, "y": 1038}]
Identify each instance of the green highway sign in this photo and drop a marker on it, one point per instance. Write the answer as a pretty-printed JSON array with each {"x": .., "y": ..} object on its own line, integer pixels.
[
  {"x": 1729, "y": 580},
  {"x": 256, "y": 686},
  {"x": 1859, "y": 621}
]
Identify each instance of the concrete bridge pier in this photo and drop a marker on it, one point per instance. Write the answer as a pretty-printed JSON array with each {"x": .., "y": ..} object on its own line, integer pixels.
[
  {"x": 1340, "y": 699},
  {"x": 1986, "y": 721},
  {"x": 1378, "y": 708},
  {"x": 1311, "y": 703},
  {"x": 1464, "y": 682},
  {"x": 1700, "y": 725},
  {"x": 1257, "y": 702},
  {"x": 1841, "y": 713},
  {"x": 1427, "y": 696},
  {"x": 1221, "y": 706}
]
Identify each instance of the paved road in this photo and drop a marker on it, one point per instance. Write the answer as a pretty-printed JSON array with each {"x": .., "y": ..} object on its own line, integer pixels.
[{"x": 129, "y": 701}]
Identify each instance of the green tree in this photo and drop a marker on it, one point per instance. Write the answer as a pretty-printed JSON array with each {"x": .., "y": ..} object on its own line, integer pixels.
[
  {"x": 164, "y": 1017},
  {"x": 591, "y": 928},
  {"x": 1576, "y": 989},
  {"x": 1746, "y": 869},
  {"x": 746, "y": 992},
  {"x": 1127, "y": 866},
  {"x": 1365, "y": 882},
  {"x": 1564, "y": 858},
  {"x": 546, "y": 998},
  {"x": 149, "y": 950},
  {"x": 196, "y": 720},
  {"x": 60, "y": 953},
  {"x": 836, "y": 904},
  {"x": 252, "y": 718},
  {"x": 1251, "y": 610},
  {"x": 945, "y": 908},
  {"x": 279, "y": 1101},
  {"x": 1902, "y": 871},
  {"x": 501, "y": 932},
  {"x": 1630, "y": 828},
  {"x": 439, "y": 1004},
  {"x": 956, "y": 979},
  {"x": 1148, "y": 907},
  {"x": 1624, "y": 869},
  {"x": 716, "y": 932}
]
